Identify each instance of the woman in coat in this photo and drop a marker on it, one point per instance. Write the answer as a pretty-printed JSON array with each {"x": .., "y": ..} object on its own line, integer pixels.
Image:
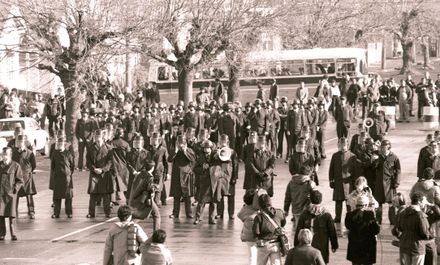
[
  {"x": 11, "y": 181},
  {"x": 340, "y": 175},
  {"x": 62, "y": 165},
  {"x": 363, "y": 228},
  {"x": 182, "y": 176}
]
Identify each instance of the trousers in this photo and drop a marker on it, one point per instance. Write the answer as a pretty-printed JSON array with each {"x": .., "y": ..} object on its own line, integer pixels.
[
  {"x": 67, "y": 206},
  {"x": 30, "y": 203},
  {"x": 407, "y": 259},
  {"x": 3, "y": 226},
  {"x": 199, "y": 210},
  {"x": 176, "y": 206},
  {"x": 231, "y": 205},
  {"x": 94, "y": 198}
]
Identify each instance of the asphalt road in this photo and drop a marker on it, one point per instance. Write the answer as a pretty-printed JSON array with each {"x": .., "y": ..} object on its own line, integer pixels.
[{"x": 81, "y": 240}]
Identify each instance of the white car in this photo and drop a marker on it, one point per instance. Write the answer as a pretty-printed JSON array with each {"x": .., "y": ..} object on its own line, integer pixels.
[{"x": 38, "y": 137}]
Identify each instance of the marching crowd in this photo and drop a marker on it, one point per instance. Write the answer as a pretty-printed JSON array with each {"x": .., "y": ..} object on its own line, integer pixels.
[{"x": 133, "y": 144}]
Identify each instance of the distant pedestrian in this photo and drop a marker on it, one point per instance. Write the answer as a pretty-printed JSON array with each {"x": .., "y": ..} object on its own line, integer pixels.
[
  {"x": 156, "y": 253},
  {"x": 121, "y": 244},
  {"x": 304, "y": 253}
]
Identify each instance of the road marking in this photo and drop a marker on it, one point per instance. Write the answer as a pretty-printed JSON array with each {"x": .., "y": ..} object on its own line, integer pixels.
[
  {"x": 330, "y": 140},
  {"x": 83, "y": 229}
]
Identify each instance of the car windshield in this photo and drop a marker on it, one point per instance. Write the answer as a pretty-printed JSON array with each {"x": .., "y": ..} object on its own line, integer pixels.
[{"x": 10, "y": 125}]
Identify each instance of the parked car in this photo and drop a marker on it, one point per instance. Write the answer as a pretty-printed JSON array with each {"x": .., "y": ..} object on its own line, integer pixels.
[{"x": 38, "y": 137}]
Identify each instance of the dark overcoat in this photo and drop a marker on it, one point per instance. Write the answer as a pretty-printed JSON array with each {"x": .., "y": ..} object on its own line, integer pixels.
[
  {"x": 248, "y": 151},
  {"x": 26, "y": 159},
  {"x": 136, "y": 159},
  {"x": 137, "y": 201},
  {"x": 182, "y": 175},
  {"x": 262, "y": 164},
  {"x": 119, "y": 168},
  {"x": 159, "y": 155},
  {"x": 62, "y": 165},
  {"x": 100, "y": 157},
  {"x": 340, "y": 173},
  {"x": 387, "y": 177},
  {"x": 11, "y": 180},
  {"x": 203, "y": 177}
]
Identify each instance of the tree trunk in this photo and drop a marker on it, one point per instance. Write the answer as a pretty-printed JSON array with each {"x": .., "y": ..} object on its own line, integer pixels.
[
  {"x": 73, "y": 103},
  {"x": 425, "y": 52},
  {"x": 406, "y": 57},
  {"x": 185, "y": 77},
  {"x": 234, "y": 83}
]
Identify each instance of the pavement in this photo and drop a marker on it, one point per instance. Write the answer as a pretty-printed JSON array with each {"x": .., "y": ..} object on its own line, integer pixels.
[{"x": 81, "y": 241}]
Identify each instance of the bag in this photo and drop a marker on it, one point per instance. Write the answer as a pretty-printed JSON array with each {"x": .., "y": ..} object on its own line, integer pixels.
[{"x": 282, "y": 237}]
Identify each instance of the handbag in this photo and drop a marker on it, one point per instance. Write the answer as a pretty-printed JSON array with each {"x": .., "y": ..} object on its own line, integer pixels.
[{"x": 282, "y": 237}]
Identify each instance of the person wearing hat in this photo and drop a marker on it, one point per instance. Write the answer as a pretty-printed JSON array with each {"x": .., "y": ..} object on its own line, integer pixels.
[
  {"x": 343, "y": 116},
  {"x": 273, "y": 118},
  {"x": 228, "y": 124},
  {"x": 9, "y": 187},
  {"x": 191, "y": 119},
  {"x": 120, "y": 150},
  {"x": 130, "y": 123},
  {"x": 84, "y": 133},
  {"x": 341, "y": 172},
  {"x": 18, "y": 130},
  {"x": 274, "y": 90},
  {"x": 159, "y": 154},
  {"x": 388, "y": 169},
  {"x": 201, "y": 138},
  {"x": 242, "y": 133},
  {"x": 258, "y": 119},
  {"x": 429, "y": 156},
  {"x": 26, "y": 159},
  {"x": 262, "y": 163},
  {"x": 99, "y": 162},
  {"x": 190, "y": 137},
  {"x": 312, "y": 147},
  {"x": 136, "y": 159},
  {"x": 283, "y": 109},
  {"x": 205, "y": 182},
  {"x": 182, "y": 176},
  {"x": 248, "y": 152},
  {"x": 227, "y": 160},
  {"x": 362, "y": 230},
  {"x": 321, "y": 128},
  {"x": 311, "y": 114},
  {"x": 294, "y": 122},
  {"x": 381, "y": 124},
  {"x": 142, "y": 194},
  {"x": 211, "y": 122},
  {"x": 62, "y": 166},
  {"x": 300, "y": 157}
]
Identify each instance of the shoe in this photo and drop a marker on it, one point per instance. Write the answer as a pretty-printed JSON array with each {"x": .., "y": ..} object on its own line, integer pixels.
[
  {"x": 80, "y": 169},
  {"x": 52, "y": 205},
  {"x": 56, "y": 216},
  {"x": 14, "y": 238},
  {"x": 189, "y": 216},
  {"x": 286, "y": 161},
  {"x": 2, "y": 238},
  {"x": 173, "y": 216},
  {"x": 107, "y": 216},
  {"x": 90, "y": 216},
  {"x": 337, "y": 220},
  {"x": 32, "y": 216},
  {"x": 197, "y": 221},
  {"x": 164, "y": 203},
  {"x": 69, "y": 216},
  {"x": 323, "y": 157},
  {"x": 218, "y": 216},
  {"x": 231, "y": 217},
  {"x": 212, "y": 222}
]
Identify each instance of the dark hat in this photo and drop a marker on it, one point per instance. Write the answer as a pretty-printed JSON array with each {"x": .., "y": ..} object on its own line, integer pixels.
[
  {"x": 376, "y": 104},
  {"x": 191, "y": 104},
  {"x": 21, "y": 137},
  {"x": 296, "y": 102},
  {"x": 283, "y": 99},
  {"x": 311, "y": 101},
  {"x": 207, "y": 144},
  {"x": 261, "y": 139},
  {"x": 226, "y": 107},
  {"x": 321, "y": 103},
  {"x": 138, "y": 138},
  {"x": 385, "y": 143},
  {"x": 257, "y": 101},
  {"x": 428, "y": 173},
  {"x": 156, "y": 135},
  {"x": 61, "y": 140},
  {"x": 369, "y": 141},
  {"x": 269, "y": 102},
  {"x": 343, "y": 140},
  {"x": 343, "y": 98},
  {"x": 224, "y": 137},
  {"x": 18, "y": 129},
  {"x": 172, "y": 107},
  {"x": 248, "y": 105}
]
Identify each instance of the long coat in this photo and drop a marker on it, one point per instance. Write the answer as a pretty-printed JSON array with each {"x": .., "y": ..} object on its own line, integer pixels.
[
  {"x": 380, "y": 125},
  {"x": 136, "y": 159},
  {"x": 248, "y": 151},
  {"x": 203, "y": 177},
  {"x": 137, "y": 201},
  {"x": 62, "y": 165},
  {"x": 261, "y": 165},
  {"x": 26, "y": 159},
  {"x": 340, "y": 173},
  {"x": 297, "y": 160},
  {"x": 100, "y": 157},
  {"x": 387, "y": 177},
  {"x": 363, "y": 229},
  {"x": 119, "y": 168},
  {"x": 11, "y": 180},
  {"x": 159, "y": 156},
  {"x": 182, "y": 175}
]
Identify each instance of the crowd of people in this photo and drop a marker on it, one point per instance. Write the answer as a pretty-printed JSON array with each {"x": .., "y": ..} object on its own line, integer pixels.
[{"x": 133, "y": 144}]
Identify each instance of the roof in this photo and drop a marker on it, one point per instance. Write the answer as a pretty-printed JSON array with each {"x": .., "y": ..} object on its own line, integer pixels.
[{"x": 317, "y": 53}]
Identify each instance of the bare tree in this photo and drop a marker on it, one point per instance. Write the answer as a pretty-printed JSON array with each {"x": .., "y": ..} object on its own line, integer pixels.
[
  {"x": 197, "y": 32},
  {"x": 72, "y": 39}
]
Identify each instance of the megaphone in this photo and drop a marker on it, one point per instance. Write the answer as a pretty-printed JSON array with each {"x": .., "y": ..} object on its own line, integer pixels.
[{"x": 368, "y": 123}]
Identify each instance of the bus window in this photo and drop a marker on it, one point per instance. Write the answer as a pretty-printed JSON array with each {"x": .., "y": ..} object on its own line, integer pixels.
[
  {"x": 163, "y": 73},
  {"x": 295, "y": 67},
  {"x": 320, "y": 66},
  {"x": 346, "y": 65}
]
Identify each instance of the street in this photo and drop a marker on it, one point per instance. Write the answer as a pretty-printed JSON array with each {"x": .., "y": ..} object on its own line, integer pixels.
[{"x": 81, "y": 240}]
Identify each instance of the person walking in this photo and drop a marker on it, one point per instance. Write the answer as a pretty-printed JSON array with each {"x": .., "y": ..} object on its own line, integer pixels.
[
  {"x": 121, "y": 244},
  {"x": 343, "y": 117},
  {"x": 362, "y": 230},
  {"x": 304, "y": 252}
]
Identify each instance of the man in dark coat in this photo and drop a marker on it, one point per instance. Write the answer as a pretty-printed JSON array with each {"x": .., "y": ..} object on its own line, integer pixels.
[
  {"x": 84, "y": 133},
  {"x": 343, "y": 117},
  {"x": 11, "y": 181},
  {"x": 387, "y": 166},
  {"x": 273, "y": 91},
  {"x": 159, "y": 154},
  {"x": 119, "y": 169},
  {"x": 316, "y": 218},
  {"x": 53, "y": 111},
  {"x": 262, "y": 163},
  {"x": 248, "y": 152},
  {"x": 427, "y": 155},
  {"x": 191, "y": 119},
  {"x": 228, "y": 124},
  {"x": 62, "y": 165},
  {"x": 362, "y": 230},
  {"x": 136, "y": 159},
  {"x": 229, "y": 165},
  {"x": 204, "y": 182},
  {"x": 294, "y": 122},
  {"x": 182, "y": 176},
  {"x": 26, "y": 159},
  {"x": 211, "y": 123},
  {"x": 311, "y": 114},
  {"x": 380, "y": 123},
  {"x": 312, "y": 147},
  {"x": 321, "y": 128},
  {"x": 282, "y": 111},
  {"x": 258, "y": 119},
  {"x": 300, "y": 158},
  {"x": 273, "y": 126},
  {"x": 340, "y": 176},
  {"x": 99, "y": 162}
]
